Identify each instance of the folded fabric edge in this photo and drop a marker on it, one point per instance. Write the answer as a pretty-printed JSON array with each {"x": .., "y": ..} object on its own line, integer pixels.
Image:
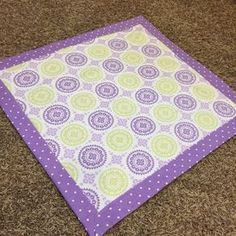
[
  {"x": 211, "y": 77},
  {"x": 149, "y": 187},
  {"x": 57, "y": 45},
  {"x": 96, "y": 224},
  {"x": 71, "y": 192}
]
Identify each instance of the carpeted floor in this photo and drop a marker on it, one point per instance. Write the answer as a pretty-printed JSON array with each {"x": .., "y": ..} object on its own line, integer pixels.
[{"x": 202, "y": 201}]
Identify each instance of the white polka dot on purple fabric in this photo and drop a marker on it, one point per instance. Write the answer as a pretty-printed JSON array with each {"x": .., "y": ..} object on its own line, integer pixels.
[{"x": 135, "y": 197}]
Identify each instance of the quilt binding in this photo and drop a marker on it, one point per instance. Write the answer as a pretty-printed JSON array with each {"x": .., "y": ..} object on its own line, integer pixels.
[{"x": 97, "y": 223}]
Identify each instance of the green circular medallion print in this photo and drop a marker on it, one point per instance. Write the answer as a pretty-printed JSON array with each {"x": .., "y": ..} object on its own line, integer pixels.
[
  {"x": 52, "y": 67},
  {"x": 165, "y": 113},
  {"x": 113, "y": 182},
  {"x": 167, "y": 63},
  {"x": 164, "y": 146},
  {"x": 108, "y": 36},
  {"x": 41, "y": 96},
  {"x": 132, "y": 58},
  {"x": 137, "y": 38},
  {"x": 206, "y": 120},
  {"x": 98, "y": 51},
  {"x": 74, "y": 134},
  {"x": 119, "y": 140},
  {"x": 71, "y": 169},
  {"x": 167, "y": 86},
  {"x": 37, "y": 124},
  {"x": 83, "y": 101},
  {"x": 204, "y": 92},
  {"x": 124, "y": 107},
  {"x": 129, "y": 81},
  {"x": 17, "y": 67},
  {"x": 91, "y": 74},
  {"x": 66, "y": 50},
  {"x": 7, "y": 84}
]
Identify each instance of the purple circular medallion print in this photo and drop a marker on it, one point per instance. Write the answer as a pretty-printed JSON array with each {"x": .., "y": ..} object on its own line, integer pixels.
[
  {"x": 146, "y": 96},
  {"x": 148, "y": 71},
  {"x": 89, "y": 41},
  {"x": 22, "y": 105},
  {"x": 92, "y": 196},
  {"x": 113, "y": 65},
  {"x": 186, "y": 131},
  {"x": 224, "y": 109},
  {"x": 92, "y": 156},
  {"x": 185, "y": 77},
  {"x": 42, "y": 57},
  {"x": 101, "y": 120},
  {"x": 67, "y": 84},
  {"x": 53, "y": 146},
  {"x": 118, "y": 44},
  {"x": 140, "y": 162},
  {"x": 106, "y": 90},
  {"x": 185, "y": 102},
  {"x": 26, "y": 78},
  {"x": 76, "y": 59},
  {"x": 142, "y": 125},
  {"x": 151, "y": 51},
  {"x": 56, "y": 114}
]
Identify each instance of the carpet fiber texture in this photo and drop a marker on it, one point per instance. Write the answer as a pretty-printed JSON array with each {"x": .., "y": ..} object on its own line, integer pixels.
[{"x": 200, "y": 202}]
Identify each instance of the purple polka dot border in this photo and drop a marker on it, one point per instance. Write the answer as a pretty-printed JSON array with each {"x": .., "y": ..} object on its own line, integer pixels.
[
  {"x": 79, "y": 203},
  {"x": 136, "y": 196},
  {"x": 96, "y": 223}
]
